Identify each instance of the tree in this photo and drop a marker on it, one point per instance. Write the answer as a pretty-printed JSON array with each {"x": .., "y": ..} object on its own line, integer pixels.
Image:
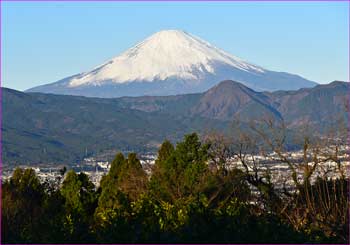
[
  {"x": 132, "y": 179},
  {"x": 22, "y": 200},
  {"x": 182, "y": 172},
  {"x": 125, "y": 179},
  {"x": 164, "y": 152},
  {"x": 80, "y": 204}
]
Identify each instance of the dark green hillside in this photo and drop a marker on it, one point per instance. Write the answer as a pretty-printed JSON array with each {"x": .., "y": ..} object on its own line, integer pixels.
[
  {"x": 231, "y": 100},
  {"x": 178, "y": 104},
  {"x": 47, "y": 128},
  {"x": 56, "y": 128},
  {"x": 322, "y": 105}
]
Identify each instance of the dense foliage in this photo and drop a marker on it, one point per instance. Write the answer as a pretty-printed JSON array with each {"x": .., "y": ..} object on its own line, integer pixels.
[{"x": 185, "y": 200}]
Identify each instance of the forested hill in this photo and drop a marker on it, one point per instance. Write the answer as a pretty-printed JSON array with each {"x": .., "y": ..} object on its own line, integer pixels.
[{"x": 59, "y": 128}]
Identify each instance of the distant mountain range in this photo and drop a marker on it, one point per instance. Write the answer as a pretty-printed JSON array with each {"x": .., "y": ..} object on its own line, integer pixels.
[
  {"x": 62, "y": 129},
  {"x": 168, "y": 63}
]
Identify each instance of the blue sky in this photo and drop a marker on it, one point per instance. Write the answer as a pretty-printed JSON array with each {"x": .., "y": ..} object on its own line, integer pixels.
[{"x": 43, "y": 42}]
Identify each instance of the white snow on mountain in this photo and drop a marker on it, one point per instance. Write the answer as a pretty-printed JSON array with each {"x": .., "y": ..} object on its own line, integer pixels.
[
  {"x": 167, "y": 63},
  {"x": 165, "y": 54}
]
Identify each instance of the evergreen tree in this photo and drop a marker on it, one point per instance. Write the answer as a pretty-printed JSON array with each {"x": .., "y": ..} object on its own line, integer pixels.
[
  {"x": 22, "y": 200},
  {"x": 182, "y": 172},
  {"x": 80, "y": 203}
]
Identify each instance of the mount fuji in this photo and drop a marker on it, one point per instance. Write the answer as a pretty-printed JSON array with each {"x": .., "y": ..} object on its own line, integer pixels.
[{"x": 171, "y": 62}]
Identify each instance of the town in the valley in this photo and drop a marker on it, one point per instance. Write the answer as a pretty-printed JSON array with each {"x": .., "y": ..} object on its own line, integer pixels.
[{"x": 279, "y": 171}]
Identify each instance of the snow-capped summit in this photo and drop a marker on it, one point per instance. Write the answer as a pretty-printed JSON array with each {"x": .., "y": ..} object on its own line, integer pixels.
[
  {"x": 165, "y": 54},
  {"x": 170, "y": 62}
]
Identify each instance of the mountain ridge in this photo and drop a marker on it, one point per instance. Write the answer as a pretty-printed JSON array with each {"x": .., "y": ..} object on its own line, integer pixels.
[{"x": 47, "y": 128}]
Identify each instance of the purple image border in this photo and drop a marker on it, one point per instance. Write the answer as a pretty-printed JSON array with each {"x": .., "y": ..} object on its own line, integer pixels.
[
  {"x": 214, "y": 1},
  {"x": 197, "y": 1}
]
